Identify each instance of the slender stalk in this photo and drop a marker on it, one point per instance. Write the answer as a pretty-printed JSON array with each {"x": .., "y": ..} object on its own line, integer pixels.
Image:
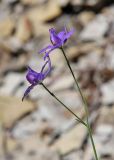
[
  {"x": 84, "y": 102},
  {"x": 53, "y": 95}
]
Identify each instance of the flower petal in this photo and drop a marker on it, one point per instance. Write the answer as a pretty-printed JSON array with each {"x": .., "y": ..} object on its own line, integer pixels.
[
  {"x": 45, "y": 49},
  {"x": 54, "y": 47},
  {"x": 28, "y": 91},
  {"x": 53, "y": 37},
  {"x": 49, "y": 67},
  {"x": 31, "y": 76},
  {"x": 61, "y": 34},
  {"x": 69, "y": 34}
]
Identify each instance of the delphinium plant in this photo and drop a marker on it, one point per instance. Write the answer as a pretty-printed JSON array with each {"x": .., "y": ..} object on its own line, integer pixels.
[{"x": 36, "y": 78}]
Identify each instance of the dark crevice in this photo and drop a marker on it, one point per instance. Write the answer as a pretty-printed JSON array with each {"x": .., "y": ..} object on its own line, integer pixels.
[
  {"x": 72, "y": 10},
  {"x": 19, "y": 119}
]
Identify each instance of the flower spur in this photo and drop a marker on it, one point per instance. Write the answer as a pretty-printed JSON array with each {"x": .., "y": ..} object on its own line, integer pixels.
[
  {"x": 57, "y": 40},
  {"x": 35, "y": 78}
]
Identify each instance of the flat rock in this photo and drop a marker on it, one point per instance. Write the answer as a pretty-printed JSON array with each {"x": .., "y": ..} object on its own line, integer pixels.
[
  {"x": 103, "y": 135},
  {"x": 50, "y": 111},
  {"x": 1, "y": 141},
  {"x": 10, "y": 64},
  {"x": 94, "y": 2},
  {"x": 104, "y": 132},
  {"x": 12, "y": 108},
  {"x": 31, "y": 147},
  {"x": 107, "y": 90},
  {"x": 37, "y": 14},
  {"x": 39, "y": 29},
  {"x": 93, "y": 30},
  {"x": 87, "y": 62},
  {"x": 73, "y": 101},
  {"x": 109, "y": 56},
  {"x": 63, "y": 3},
  {"x": 57, "y": 58},
  {"x": 106, "y": 115},
  {"x": 24, "y": 29},
  {"x": 73, "y": 139},
  {"x": 33, "y": 2},
  {"x": 78, "y": 155},
  {"x": 86, "y": 17},
  {"x": 53, "y": 113},
  {"x": 89, "y": 154},
  {"x": 77, "y": 2},
  {"x": 6, "y": 27},
  {"x": 11, "y": 44},
  {"x": 12, "y": 78},
  {"x": 32, "y": 124},
  {"x": 80, "y": 49},
  {"x": 61, "y": 83}
]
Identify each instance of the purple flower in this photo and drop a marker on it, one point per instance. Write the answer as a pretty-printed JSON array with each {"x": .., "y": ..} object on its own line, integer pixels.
[
  {"x": 57, "y": 40},
  {"x": 35, "y": 78}
]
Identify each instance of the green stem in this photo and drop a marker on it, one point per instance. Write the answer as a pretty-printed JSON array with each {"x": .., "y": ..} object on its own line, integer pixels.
[
  {"x": 53, "y": 95},
  {"x": 85, "y": 104}
]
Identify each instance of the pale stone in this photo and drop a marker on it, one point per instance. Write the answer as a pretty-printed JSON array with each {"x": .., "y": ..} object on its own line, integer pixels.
[
  {"x": 64, "y": 82},
  {"x": 73, "y": 100},
  {"x": 63, "y": 3},
  {"x": 109, "y": 56},
  {"x": 1, "y": 140},
  {"x": 73, "y": 52},
  {"x": 107, "y": 90},
  {"x": 86, "y": 17},
  {"x": 106, "y": 115},
  {"x": 57, "y": 58},
  {"x": 12, "y": 108},
  {"x": 24, "y": 29},
  {"x": 6, "y": 27},
  {"x": 104, "y": 132},
  {"x": 71, "y": 140},
  {"x": 34, "y": 147},
  {"x": 94, "y": 31},
  {"x": 37, "y": 14},
  {"x": 77, "y": 2},
  {"x": 11, "y": 81},
  {"x": 93, "y": 2},
  {"x": 87, "y": 62},
  {"x": 89, "y": 153},
  {"x": 33, "y": 2},
  {"x": 39, "y": 29},
  {"x": 80, "y": 49},
  {"x": 74, "y": 155}
]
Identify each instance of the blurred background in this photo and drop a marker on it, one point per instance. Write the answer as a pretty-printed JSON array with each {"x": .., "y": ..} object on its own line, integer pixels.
[{"x": 40, "y": 128}]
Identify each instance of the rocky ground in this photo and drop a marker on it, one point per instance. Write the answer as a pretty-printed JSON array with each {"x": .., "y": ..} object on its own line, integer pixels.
[{"x": 40, "y": 128}]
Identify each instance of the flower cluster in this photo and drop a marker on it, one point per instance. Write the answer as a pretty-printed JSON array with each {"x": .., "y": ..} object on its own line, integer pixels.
[
  {"x": 35, "y": 78},
  {"x": 57, "y": 40}
]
